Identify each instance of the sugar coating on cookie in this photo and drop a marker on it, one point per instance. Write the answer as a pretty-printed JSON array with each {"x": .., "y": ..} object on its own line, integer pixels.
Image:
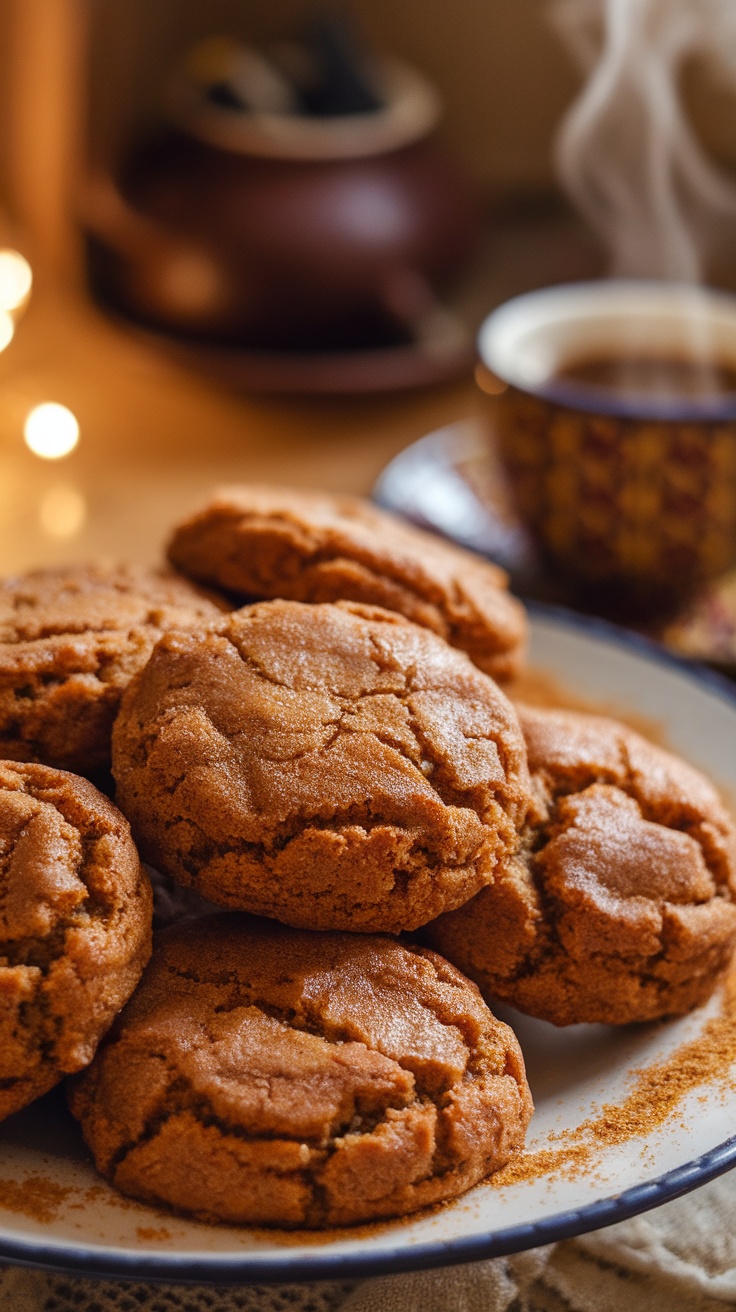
[
  {"x": 75, "y": 926},
  {"x": 308, "y": 546},
  {"x": 70, "y": 641},
  {"x": 333, "y": 766},
  {"x": 262, "y": 1075},
  {"x": 620, "y": 906}
]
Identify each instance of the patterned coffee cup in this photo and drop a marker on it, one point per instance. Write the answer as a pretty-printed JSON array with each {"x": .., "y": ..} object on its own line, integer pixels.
[{"x": 626, "y": 492}]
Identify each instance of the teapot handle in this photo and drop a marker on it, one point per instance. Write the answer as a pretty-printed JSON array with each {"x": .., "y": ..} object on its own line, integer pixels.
[{"x": 412, "y": 302}]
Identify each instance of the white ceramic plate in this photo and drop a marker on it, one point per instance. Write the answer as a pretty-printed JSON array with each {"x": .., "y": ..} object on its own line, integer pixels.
[{"x": 87, "y": 1227}]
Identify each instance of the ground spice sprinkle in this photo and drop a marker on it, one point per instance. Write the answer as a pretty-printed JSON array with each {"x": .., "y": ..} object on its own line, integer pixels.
[{"x": 706, "y": 1061}]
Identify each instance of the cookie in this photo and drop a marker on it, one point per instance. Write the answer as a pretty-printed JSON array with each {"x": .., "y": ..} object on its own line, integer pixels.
[
  {"x": 268, "y": 1076},
  {"x": 309, "y": 546},
  {"x": 75, "y": 926},
  {"x": 620, "y": 905},
  {"x": 70, "y": 641},
  {"x": 333, "y": 766}
]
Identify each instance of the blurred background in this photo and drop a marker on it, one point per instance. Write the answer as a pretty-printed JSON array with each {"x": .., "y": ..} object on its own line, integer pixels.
[
  {"x": 165, "y": 413},
  {"x": 503, "y": 73}
]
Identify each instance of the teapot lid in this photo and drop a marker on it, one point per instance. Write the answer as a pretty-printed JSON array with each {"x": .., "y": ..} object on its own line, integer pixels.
[{"x": 410, "y": 110}]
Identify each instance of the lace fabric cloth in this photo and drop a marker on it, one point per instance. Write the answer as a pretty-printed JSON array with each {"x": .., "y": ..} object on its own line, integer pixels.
[{"x": 681, "y": 1257}]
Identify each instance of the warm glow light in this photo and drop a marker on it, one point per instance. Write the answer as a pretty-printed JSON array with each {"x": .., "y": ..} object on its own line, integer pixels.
[
  {"x": 51, "y": 431},
  {"x": 7, "y": 329},
  {"x": 63, "y": 511},
  {"x": 15, "y": 280}
]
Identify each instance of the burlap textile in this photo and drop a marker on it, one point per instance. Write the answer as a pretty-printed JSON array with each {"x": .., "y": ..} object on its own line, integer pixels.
[{"x": 681, "y": 1257}]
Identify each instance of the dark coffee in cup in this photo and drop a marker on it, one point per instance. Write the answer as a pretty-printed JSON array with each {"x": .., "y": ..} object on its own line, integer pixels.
[
  {"x": 615, "y": 418},
  {"x": 649, "y": 377}
]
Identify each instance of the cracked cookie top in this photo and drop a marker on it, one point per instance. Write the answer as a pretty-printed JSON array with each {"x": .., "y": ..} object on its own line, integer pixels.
[
  {"x": 333, "y": 766},
  {"x": 75, "y": 925},
  {"x": 268, "y": 1075},
  {"x": 620, "y": 906},
  {"x": 70, "y": 641},
  {"x": 309, "y": 546}
]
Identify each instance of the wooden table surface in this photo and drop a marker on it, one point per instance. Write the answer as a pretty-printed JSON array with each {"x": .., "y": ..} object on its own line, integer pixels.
[{"x": 155, "y": 438}]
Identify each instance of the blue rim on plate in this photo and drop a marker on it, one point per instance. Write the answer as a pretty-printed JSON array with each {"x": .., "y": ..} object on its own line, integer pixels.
[
  {"x": 147, "y": 1266},
  {"x": 241, "y": 1271}
]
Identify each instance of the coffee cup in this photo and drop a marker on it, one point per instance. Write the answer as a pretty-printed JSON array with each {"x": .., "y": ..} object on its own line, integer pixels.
[{"x": 613, "y": 409}]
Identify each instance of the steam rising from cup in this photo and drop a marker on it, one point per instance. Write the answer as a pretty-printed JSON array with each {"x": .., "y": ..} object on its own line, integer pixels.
[{"x": 625, "y": 152}]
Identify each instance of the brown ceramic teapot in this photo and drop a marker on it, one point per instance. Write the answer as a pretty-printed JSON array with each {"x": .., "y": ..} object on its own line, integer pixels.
[{"x": 277, "y": 232}]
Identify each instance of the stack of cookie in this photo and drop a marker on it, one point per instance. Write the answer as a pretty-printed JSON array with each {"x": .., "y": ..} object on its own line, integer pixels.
[
  {"x": 317, "y": 745},
  {"x": 74, "y": 902}
]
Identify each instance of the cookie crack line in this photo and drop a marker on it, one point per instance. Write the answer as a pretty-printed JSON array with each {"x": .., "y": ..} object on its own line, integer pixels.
[
  {"x": 333, "y": 553},
  {"x": 317, "y": 1151},
  {"x": 339, "y": 823},
  {"x": 42, "y": 951},
  {"x": 383, "y": 667},
  {"x": 252, "y": 663},
  {"x": 181, "y": 1097},
  {"x": 428, "y": 754},
  {"x": 553, "y": 910},
  {"x": 360, "y": 814},
  {"x": 628, "y": 784},
  {"x": 682, "y": 823},
  {"x": 543, "y": 834},
  {"x": 28, "y": 951},
  {"x": 90, "y": 630},
  {"x": 553, "y": 949},
  {"x": 310, "y": 1024}
]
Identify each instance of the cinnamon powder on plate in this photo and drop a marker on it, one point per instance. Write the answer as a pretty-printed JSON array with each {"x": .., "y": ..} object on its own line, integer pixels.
[
  {"x": 707, "y": 1062},
  {"x": 34, "y": 1197}
]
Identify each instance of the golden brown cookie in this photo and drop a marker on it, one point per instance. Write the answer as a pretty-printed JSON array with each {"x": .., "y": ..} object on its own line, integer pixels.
[
  {"x": 620, "y": 906},
  {"x": 75, "y": 926},
  {"x": 70, "y": 641},
  {"x": 263, "y": 1075},
  {"x": 333, "y": 766},
  {"x": 309, "y": 546}
]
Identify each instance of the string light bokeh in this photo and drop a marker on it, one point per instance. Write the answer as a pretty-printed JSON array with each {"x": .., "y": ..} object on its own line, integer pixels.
[
  {"x": 51, "y": 431},
  {"x": 16, "y": 280}
]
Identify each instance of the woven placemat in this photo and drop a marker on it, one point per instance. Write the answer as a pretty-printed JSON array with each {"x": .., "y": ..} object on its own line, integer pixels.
[{"x": 678, "y": 1258}]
